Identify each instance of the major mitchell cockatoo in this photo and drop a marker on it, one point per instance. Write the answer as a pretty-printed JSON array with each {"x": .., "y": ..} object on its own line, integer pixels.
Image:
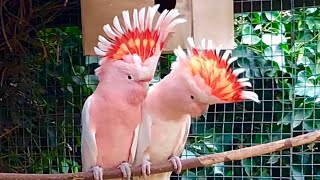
[
  {"x": 111, "y": 115},
  {"x": 198, "y": 79}
]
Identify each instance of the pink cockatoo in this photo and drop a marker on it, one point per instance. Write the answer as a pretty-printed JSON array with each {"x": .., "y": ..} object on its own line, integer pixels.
[
  {"x": 111, "y": 115},
  {"x": 198, "y": 79}
]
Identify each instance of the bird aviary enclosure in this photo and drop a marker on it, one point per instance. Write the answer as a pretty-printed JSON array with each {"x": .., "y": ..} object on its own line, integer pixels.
[{"x": 44, "y": 81}]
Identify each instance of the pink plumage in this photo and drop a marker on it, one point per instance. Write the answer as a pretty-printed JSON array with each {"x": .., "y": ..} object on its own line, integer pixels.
[
  {"x": 111, "y": 115},
  {"x": 187, "y": 91}
]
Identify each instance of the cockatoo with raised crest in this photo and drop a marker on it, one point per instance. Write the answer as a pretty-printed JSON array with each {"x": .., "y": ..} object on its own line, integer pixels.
[
  {"x": 200, "y": 78},
  {"x": 111, "y": 115}
]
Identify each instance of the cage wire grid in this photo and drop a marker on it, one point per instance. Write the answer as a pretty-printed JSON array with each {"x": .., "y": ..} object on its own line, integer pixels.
[{"x": 42, "y": 94}]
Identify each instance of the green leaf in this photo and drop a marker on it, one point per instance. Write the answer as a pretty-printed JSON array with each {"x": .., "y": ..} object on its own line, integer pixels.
[
  {"x": 76, "y": 79},
  {"x": 243, "y": 51},
  {"x": 271, "y": 39},
  {"x": 189, "y": 175},
  {"x": 318, "y": 45},
  {"x": 274, "y": 158},
  {"x": 278, "y": 28},
  {"x": 296, "y": 172},
  {"x": 247, "y": 29},
  {"x": 246, "y": 163},
  {"x": 79, "y": 70},
  {"x": 218, "y": 169},
  {"x": 91, "y": 81},
  {"x": 309, "y": 125},
  {"x": 258, "y": 27},
  {"x": 65, "y": 166},
  {"x": 310, "y": 10},
  {"x": 256, "y": 18},
  {"x": 301, "y": 115},
  {"x": 272, "y": 16},
  {"x": 305, "y": 61},
  {"x": 250, "y": 39},
  {"x": 275, "y": 54},
  {"x": 304, "y": 87},
  {"x": 70, "y": 88},
  {"x": 310, "y": 22},
  {"x": 287, "y": 119},
  {"x": 186, "y": 154}
]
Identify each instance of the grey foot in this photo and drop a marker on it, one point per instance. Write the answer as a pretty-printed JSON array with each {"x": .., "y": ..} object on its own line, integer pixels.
[
  {"x": 146, "y": 168},
  {"x": 125, "y": 170},
  {"x": 97, "y": 172},
  {"x": 175, "y": 160}
]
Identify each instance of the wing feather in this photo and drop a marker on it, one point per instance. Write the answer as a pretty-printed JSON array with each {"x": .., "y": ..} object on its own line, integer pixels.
[{"x": 89, "y": 151}]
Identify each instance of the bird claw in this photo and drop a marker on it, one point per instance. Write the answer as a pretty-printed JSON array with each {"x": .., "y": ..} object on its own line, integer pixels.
[
  {"x": 146, "y": 168},
  {"x": 125, "y": 170},
  {"x": 97, "y": 172},
  {"x": 175, "y": 160}
]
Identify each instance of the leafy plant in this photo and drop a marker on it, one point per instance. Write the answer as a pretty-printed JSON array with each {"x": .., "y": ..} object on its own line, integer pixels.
[{"x": 280, "y": 52}]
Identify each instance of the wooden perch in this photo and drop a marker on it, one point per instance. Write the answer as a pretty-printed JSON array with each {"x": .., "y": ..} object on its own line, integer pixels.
[{"x": 202, "y": 161}]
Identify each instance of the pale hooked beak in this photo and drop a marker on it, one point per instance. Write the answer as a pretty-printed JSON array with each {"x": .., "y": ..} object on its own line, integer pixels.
[
  {"x": 145, "y": 83},
  {"x": 205, "y": 109}
]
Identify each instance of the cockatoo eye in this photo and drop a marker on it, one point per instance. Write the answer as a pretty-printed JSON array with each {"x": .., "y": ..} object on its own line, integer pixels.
[
  {"x": 129, "y": 77},
  {"x": 192, "y": 97}
]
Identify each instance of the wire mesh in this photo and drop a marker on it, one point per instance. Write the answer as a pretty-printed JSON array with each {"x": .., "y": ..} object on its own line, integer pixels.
[{"x": 43, "y": 90}]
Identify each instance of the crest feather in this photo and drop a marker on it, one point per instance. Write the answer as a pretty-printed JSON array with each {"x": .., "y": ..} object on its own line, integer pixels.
[
  {"x": 214, "y": 69},
  {"x": 139, "y": 36}
]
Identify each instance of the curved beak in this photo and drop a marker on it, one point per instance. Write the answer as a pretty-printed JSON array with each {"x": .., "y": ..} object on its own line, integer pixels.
[{"x": 145, "y": 83}]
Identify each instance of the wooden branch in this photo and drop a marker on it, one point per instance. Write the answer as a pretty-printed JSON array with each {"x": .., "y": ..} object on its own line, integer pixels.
[{"x": 202, "y": 161}]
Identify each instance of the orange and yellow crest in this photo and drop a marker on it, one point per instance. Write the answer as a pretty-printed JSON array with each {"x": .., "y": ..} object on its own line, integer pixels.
[
  {"x": 139, "y": 36},
  {"x": 216, "y": 73}
]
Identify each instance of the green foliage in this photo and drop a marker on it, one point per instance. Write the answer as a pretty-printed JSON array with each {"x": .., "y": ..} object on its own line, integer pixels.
[
  {"x": 46, "y": 101},
  {"x": 281, "y": 54}
]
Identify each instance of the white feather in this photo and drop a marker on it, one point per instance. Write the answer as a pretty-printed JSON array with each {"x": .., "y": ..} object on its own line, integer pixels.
[
  {"x": 161, "y": 18},
  {"x": 117, "y": 25},
  {"x": 107, "y": 29},
  {"x": 218, "y": 51},
  {"x": 180, "y": 53},
  {"x": 152, "y": 13},
  {"x": 146, "y": 23},
  {"x": 246, "y": 84},
  {"x": 102, "y": 61},
  {"x": 104, "y": 41},
  {"x": 203, "y": 43},
  {"x": 142, "y": 13},
  {"x": 171, "y": 25},
  {"x": 89, "y": 151},
  {"x": 99, "y": 52},
  {"x": 165, "y": 26},
  {"x": 231, "y": 60},
  {"x": 170, "y": 16},
  {"x": 191, "y": 42},
  {"x": 243, "y": 80},
  {"x": 236, "y": 72},
  {"x": 210, "y": 44},
  {"x": 126, "y": 19},
  {"x": 250, "y": 95},
  {"x": 226, "y": 55},
  {"x": 135, "y": 19},
  {"x": 189, "y": 53},
  {"x": 102, "y": 47}
]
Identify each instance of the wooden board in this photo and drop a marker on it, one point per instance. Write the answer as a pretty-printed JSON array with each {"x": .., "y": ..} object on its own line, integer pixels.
[{"x": 214, "y": 19}]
